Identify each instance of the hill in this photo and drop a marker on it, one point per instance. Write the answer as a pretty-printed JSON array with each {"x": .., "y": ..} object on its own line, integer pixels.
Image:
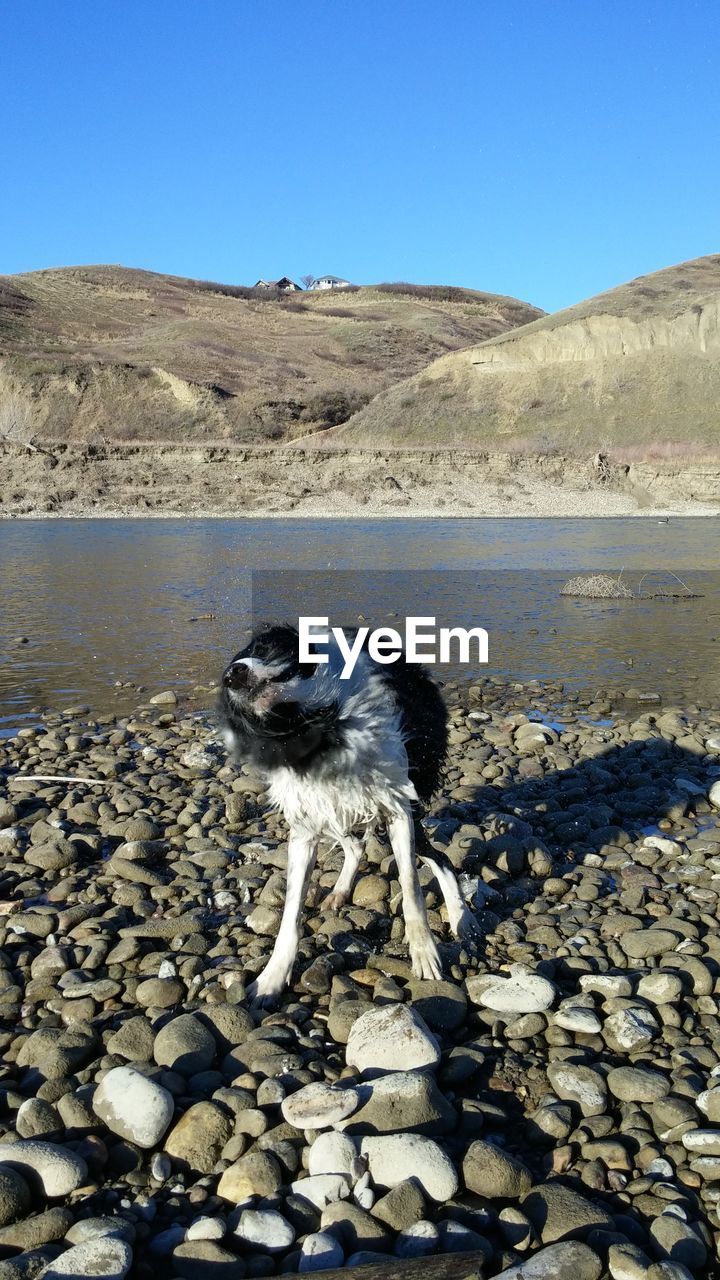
[
  {"x": 122, "y": 355},
  {"x": 635, "y": 371}
]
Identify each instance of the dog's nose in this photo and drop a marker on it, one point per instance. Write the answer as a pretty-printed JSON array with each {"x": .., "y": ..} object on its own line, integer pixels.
[{"x": 236, "y": 676}]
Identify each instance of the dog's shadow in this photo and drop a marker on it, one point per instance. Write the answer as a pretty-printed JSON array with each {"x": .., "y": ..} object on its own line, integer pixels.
[{"x": 599, "y": 811}]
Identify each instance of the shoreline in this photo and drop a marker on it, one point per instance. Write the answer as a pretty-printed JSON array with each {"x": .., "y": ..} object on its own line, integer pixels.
[
  {"x": 694, "y": 511},
  {"x": 228, "y": 482}
]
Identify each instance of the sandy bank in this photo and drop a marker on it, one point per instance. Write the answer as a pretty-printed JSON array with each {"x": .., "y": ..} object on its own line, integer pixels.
[{"x": 232, "y": 481}]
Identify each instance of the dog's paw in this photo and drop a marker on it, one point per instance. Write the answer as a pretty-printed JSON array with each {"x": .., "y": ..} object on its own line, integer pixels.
[
  {"x": 267, "y": 988},
  {"x": 335, "y": 901},
  {"x": 423, "y": 953},
  {"x": 467, "y": 930}
]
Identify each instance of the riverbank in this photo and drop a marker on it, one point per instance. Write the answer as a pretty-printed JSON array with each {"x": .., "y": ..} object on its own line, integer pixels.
[
  {"x": 565, "y": 1105},
  {"x": 301, "y": 480}
]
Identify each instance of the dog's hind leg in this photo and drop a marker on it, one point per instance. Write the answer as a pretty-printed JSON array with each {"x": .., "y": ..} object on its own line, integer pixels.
[
  {"x": 353, "y": 850},
  {"x": 302, "y": 849},
  {"x": 460, "y": 918},
  {"x": 423, "y": 949}
]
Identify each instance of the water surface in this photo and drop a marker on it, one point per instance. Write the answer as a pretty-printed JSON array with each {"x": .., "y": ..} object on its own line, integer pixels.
[{"x": 105, "y": 601}]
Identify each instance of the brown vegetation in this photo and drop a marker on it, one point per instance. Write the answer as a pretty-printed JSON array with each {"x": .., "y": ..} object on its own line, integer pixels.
[
  {"x": 133, "y": 355},
  {"x": 633, "y": 373}
]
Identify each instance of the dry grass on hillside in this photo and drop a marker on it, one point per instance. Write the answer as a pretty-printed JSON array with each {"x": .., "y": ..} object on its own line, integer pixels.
[
  {"x": 635, "y": 372},
  {"x": 127, "y": 354}
]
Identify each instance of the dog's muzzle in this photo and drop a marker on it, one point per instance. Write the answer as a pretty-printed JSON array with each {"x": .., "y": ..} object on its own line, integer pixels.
[{"x": 236, "y": 676}]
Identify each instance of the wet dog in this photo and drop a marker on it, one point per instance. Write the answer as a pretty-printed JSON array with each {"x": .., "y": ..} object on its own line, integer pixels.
[{"x": 342, "y": 757}]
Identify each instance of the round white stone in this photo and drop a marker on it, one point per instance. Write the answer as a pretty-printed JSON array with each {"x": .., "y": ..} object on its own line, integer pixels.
[
  {"x": 391, "y": 1159},
  {"x": 319, "y": 1106},
  {"x": 58, "y": 1171},
  {"x": 417, "y": 1240},
  {"x": 322, "y": 1189},
  {"x": 265, "y": 1229},
  {"x": 392, "y": 1037},
  {"x": 704, "y": 1142},
  {"x": 105, "y": 1258},
  {"x": 320, "y": 1252},
  {"x": 523, "y": 992},
  {"x": 332, "y": 1153},
  {"x": 576, "y": 1018},
  {"x": 133, "y": 1107}
]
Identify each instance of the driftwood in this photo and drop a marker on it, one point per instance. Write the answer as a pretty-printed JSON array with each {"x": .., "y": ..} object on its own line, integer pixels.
[
  {"x": 597, "y": 586},
  {"x": 51, "y": 777},
  {"x": 601, "y": 586},
  {"x": 451, "y": 1266}
]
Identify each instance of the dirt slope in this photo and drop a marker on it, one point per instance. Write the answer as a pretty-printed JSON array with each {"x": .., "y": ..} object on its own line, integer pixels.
[
  {"x": 304, "y": 480},
  {"x": 635, "y": 371},
  {"x": 131, "y": 355}
]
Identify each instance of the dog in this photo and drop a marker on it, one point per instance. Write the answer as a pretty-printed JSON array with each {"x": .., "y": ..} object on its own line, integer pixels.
[{"x": 342, "y": 757}]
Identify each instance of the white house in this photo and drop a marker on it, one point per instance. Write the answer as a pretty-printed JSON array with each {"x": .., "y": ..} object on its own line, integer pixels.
[{"x": 330, "y": 282}]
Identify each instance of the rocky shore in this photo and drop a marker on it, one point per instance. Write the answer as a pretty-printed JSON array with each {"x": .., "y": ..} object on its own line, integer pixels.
[{"x": 550, "y": 1109}]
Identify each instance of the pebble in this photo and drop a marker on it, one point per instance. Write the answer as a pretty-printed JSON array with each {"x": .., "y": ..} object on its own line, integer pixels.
[
  {"x": 637, "y": 1084},
  {"x": 403, "y": 1205},
  {"x": 403, "y": 1101},
  {"x": 639, "y": 944},
  {"x": 197, "y": 1140},
  {"x": 205, "y": 1260},
  {"x": 705, "y": 1142},
  {"x": 627, "y": 1262},
  {"x": 355, "y": 1229},
  {"x": 523, "y": 992},
  {"x": 582, "y": 1085},
  {"x": 37, "y": 1230},
  {"x": 105, "y": 1258},
  {"x": 91, "y": 1228},
  {"x": 391, "y": 1038},
  {"x": 570, "y": 1260},
  {"x": 185, "y": 1045},
  {"x": 417, "y": 1241},
  {"x": 678, "y": 1241},
  {"x": 322, "y": 1189},
  {"x": 490, "y": 1172},
  {"x": 332, "y": 1153},
  {"x": 56, "y": 1170},
  {"x": 15, "y": 1198},
  {"x": 319, "y": 1106},
  {"x": 320, "y": 1252},
  {"x": 557, "y": 1211},
  {"x": 206, "y": 1229},
  {"x": 256, "y": 1174},
  {"x": 133, "y": 1106},
  {"x": 629, "y": 1030},
  {"x": 394, "y": 1158},
  {"x": 265, "y": 1229}
]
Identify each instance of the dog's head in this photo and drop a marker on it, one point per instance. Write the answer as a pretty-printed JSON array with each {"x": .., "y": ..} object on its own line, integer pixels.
[
  {"x": 263, "y": 679},
  {"x": 275, "y": 710}
]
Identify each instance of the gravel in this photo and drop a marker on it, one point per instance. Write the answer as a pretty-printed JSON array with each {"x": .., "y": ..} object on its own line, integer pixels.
[{"x": 550, "y": 1107}]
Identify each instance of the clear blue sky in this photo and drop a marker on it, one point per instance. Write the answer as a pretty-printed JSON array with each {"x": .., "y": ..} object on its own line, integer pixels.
[{"x": 543, "y": 148}]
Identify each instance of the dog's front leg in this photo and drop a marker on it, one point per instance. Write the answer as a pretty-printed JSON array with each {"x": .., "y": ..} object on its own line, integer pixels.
[
  {"x": 423, "y": 951},
  {"x": 276, "y": 974}
]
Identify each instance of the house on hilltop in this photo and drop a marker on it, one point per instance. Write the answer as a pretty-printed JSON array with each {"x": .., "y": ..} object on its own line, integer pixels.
[
  {"x": 330, "y": 282},
  {"x": 283, "y": 285}
]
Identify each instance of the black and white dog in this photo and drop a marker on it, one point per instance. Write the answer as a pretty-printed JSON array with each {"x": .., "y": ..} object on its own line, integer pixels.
[{"x": 342, "y": 756}]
